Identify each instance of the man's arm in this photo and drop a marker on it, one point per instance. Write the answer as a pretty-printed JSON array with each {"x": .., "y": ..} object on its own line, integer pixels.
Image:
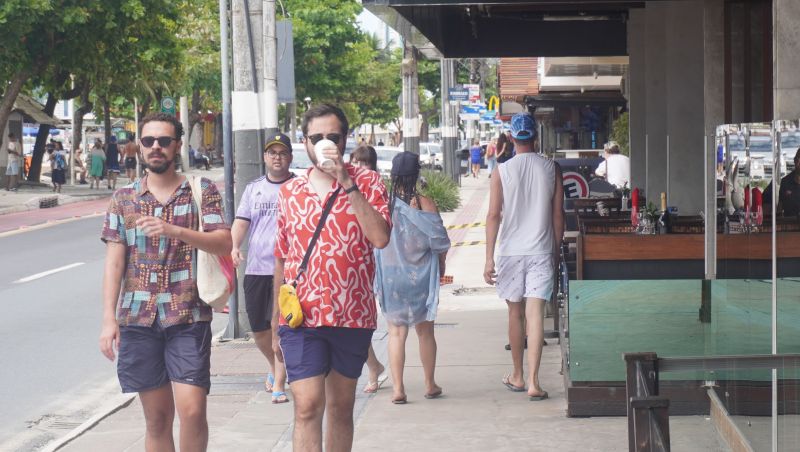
[
  {"x": 112, "y": 281},
  {"x": 558, "y": 211},
  {"x": 371, "y": 221},
  {"x": 238, "y": 232},
  {"x": 277, "y": 282},
  {"x": 493, "y": 219}
]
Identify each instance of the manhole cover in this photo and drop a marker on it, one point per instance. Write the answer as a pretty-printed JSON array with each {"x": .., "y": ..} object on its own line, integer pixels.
[{"x": 63, "y": 425}]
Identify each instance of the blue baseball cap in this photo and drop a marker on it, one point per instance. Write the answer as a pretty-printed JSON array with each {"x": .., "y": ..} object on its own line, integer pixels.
[{"x": 523, "y": 127}]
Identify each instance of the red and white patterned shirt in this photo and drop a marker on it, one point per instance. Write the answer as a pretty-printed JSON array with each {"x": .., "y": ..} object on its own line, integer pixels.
[{"x": 337, "y": 287}]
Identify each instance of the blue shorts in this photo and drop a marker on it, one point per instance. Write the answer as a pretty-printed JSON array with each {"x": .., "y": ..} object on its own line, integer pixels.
[
  {"x": 309, "y": 352},
  {"x": 150, "y": 357}
]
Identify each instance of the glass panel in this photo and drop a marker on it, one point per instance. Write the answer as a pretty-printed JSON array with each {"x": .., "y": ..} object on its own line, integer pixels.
[{"x": 787, "y": 241}]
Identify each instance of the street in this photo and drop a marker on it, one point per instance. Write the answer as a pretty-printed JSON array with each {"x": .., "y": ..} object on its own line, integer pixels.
[{"x": 50, "y": 288}]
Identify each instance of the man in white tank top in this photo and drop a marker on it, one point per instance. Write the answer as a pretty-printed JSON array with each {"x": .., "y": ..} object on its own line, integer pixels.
[{"x": 527, "y": 197}]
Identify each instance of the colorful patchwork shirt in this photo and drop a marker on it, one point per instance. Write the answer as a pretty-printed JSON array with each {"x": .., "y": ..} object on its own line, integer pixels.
[{"x": 160, "y": 272}]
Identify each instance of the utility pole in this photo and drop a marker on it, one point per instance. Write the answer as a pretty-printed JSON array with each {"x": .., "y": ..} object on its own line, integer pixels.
[
  {"x": 184, "y": 109},
  {"x": 248, "y": 119},
  {"x": 270, "y": 68},
  {"x": 410, "y": 99},
  {"x": 227, "y": 152},
  {"x": 448, "y": 123}
]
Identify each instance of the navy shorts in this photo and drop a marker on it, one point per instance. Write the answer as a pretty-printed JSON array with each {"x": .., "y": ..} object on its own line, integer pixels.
[
  {"x": 150, "y": 357},
  {"x": 258, "y": 301},
  {"x": 309, "y": 352}
]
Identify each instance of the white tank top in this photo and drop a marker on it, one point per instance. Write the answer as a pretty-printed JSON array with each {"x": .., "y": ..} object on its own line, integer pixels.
[{"x": 528, "y": 182}]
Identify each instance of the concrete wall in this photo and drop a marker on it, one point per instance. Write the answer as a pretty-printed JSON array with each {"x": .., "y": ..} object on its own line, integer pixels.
[
  {"x": 684, "y": 107},
  {"x": 668, "y": 101},
  {"x": 636, "y": 95},
  {"x": 786, "y": 36}
]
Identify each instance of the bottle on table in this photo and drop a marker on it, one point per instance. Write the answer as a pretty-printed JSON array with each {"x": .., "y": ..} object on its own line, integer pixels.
[{"x": 664, "y": 221}]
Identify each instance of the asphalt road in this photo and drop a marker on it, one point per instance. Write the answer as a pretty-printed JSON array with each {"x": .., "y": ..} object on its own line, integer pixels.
[{"x": 49, "y": 325}]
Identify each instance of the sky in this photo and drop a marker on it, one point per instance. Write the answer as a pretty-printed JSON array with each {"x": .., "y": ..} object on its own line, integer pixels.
[{"x": 371, "y": 24}]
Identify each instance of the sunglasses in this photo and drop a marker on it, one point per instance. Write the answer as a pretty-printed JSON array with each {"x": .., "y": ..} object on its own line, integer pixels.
[
  {"x": 314, "y": 139},
  {"x": 162, "y": 141}
]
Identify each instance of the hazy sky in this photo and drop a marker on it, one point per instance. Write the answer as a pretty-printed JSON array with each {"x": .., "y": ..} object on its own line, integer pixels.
[{"x": 371, "y": 24}]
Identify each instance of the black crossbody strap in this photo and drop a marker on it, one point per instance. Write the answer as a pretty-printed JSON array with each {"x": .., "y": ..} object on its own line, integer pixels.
[{"x": 320, "y": 225}]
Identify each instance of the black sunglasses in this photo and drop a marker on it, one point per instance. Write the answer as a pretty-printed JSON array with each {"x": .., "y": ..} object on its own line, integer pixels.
[
  {"x": 162, "y": 141},
  {"x": 314, "y": 139}
]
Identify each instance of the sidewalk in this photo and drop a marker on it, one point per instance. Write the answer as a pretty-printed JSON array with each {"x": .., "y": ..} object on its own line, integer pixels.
[
  {"x": 21, "y": 208},
  {"x": 476, "y": 413}
]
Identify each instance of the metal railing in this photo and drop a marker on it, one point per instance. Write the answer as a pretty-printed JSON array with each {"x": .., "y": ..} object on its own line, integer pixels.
[{"x": 648, "y": 414}]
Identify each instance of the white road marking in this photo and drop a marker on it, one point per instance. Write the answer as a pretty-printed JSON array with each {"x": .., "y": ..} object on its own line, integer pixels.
[{"x": 47, "y": 273}]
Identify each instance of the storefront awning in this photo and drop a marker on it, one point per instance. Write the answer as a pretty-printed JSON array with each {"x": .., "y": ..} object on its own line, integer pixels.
[{"x": 508, "y": 28}]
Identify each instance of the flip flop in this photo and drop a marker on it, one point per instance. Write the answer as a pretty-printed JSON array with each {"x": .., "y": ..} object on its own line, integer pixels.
[
  {"x": 269, "y": 383},
  {"x": 372, "y": 386},
  {"x": 434, "y": 395},
  {"x": 512, "y": 387},
  {"x": 279, "y": 397},
  {"x": 538, "y": 398},
  {"x": 400, "y": 401}
]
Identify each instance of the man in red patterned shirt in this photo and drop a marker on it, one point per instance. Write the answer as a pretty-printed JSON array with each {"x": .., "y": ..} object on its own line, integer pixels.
[{"x": 324, "y": 356}]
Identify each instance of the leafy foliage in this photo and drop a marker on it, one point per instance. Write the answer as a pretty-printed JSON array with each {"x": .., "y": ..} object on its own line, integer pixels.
[
  {"x": 441, "y": 189},
  {"x": 620, "y": 134}
]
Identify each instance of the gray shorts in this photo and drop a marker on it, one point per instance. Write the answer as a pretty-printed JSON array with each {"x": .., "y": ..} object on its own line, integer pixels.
[
  {"x": 12, "y": 169},
  {"x": 521, "y": 277},
  {"x": 150, "y": 357}
]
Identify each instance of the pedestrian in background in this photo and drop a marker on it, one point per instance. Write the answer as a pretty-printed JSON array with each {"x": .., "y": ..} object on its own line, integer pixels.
[
  {"x": 98, "y": 163},
  {"x": 491, "y": 155},
  {"x": 152, "y": 315},
  {"x": 80, "y": 167},
  {"x": 365, "y": 157},
  {"x": 14, "y": 151},
  {"x": 129, "y": 151},
  {"x": 505, "y": 147},
  {"x": 475, "y": 156},
  {"x": 258, "y": 215},
  {"x": 325, "y": 355},
  {"x": 58, "y": 167},
  {"x": 112, "y": 162},
  {"x": 408, "y": 271},
  {"x": 527, "y": 195}
]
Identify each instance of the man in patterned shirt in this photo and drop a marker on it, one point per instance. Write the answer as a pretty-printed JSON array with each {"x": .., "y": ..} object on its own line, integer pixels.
[
  {"x": 324, "y": 356},
  {"x": 152, "y": 315}
]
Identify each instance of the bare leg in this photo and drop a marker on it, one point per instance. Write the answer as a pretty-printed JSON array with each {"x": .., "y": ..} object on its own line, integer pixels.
[
  {"x": 397, "y": 358},
  {"x": 340, "y": 393},
  {"x": 159, "y": 412},
  {"x": 516, "y": 337},
  {"x": 375, "y": 370},
  {"x": 535, "y": 316},
  {"x": 427, "y": 354},
  {"x": 309, "y": 406},
  {"x": 263, "y": 341},
  {"x": 191, "y": 403}
]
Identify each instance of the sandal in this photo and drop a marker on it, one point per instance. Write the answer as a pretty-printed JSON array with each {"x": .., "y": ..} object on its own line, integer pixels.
[
  {"x": 279, "y": 397},
  {"x": 372, "y": 386},
  {"x": 269, "y": 383}
]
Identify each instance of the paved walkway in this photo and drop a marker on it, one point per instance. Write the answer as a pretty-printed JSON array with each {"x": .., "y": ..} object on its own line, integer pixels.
[{"x": 476, "y": 413}]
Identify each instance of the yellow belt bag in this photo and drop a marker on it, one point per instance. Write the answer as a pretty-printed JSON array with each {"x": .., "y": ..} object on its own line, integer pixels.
[{"x": 288, "y": 302}]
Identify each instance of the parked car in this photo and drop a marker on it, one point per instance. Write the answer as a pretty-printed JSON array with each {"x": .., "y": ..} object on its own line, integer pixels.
[
  {"x": 430, "y": 154},
  {"x": 300, "y": 160},
  {"x": 385, "y": 156},
  {"x": 758, "y": 165}
]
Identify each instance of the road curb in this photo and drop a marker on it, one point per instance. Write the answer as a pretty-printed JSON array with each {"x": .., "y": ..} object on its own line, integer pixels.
[
  {"x": 105, "y": 411},
  {"x": 33, "y": 203}
]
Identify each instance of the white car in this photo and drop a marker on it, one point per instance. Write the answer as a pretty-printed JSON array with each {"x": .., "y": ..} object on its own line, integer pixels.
[
  {"x": 300, "y": 161},
  {"x": 430, "y": 154},
  {"x": 385, "y": 156}
]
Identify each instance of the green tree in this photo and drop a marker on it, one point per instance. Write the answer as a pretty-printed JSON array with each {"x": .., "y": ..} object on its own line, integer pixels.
[{"x": 621, "y": 134}]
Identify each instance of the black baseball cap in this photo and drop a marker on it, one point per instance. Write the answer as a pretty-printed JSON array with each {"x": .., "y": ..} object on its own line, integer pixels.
[
  {"x": 405, "y": 164},
  {"x": 279, "y": 139}
]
